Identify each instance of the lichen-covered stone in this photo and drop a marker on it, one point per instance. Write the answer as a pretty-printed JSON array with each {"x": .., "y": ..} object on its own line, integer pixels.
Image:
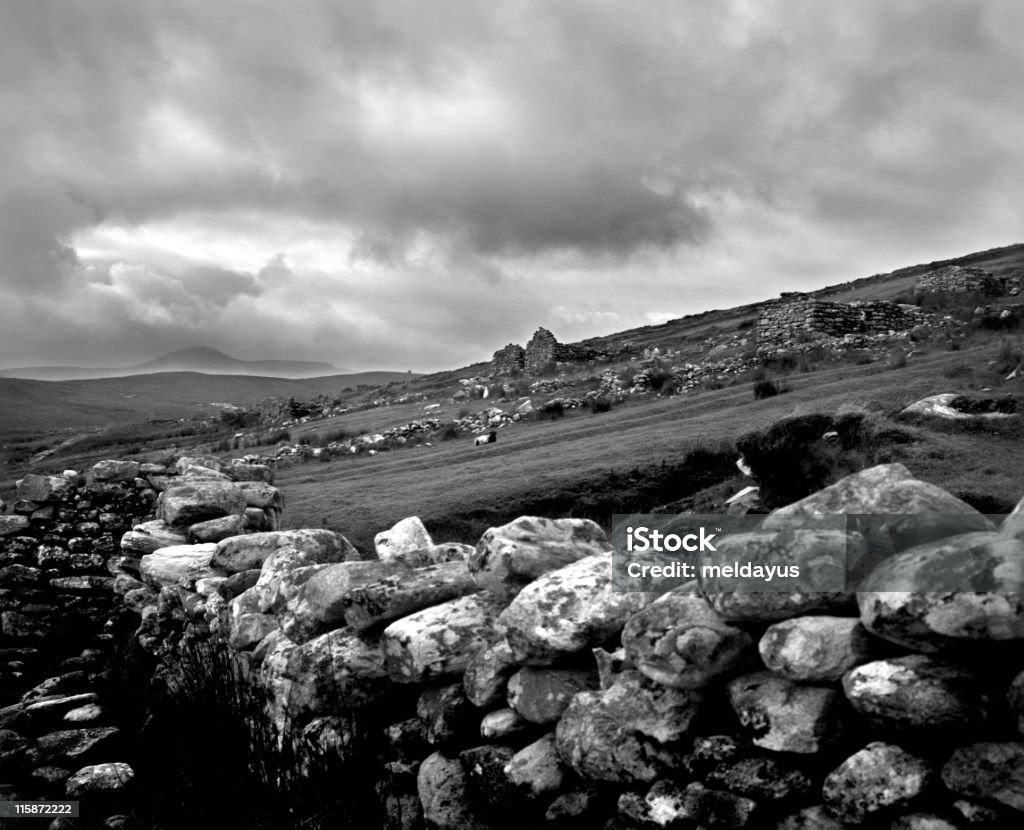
[
  {"x": 513, "y": 555},
  {"x": 503, "y": 723},
  {"x": 541, "y": 695},
  {"x": 398, "y": 595},
  {"x": 213, "y": 530},
  {"x": 448, "y": 718},
  {"x": 242, "y": 553},
  {"x": 536, "y": 769},
  {"x": 445, "y": 795},
  {"x": 324, "y": 597},
  {"x": 764, "y": 778},
  {"x": 879, "y": 778},
  {"x": 149, "y": 537},
  {"x": 960, "y": 590},
  {"x": 566, "y": 611},
  {"x": 989, "y": 770},
  {"x": 786, "y": 717},
  {"x": 187, "y": 502},
  {"x": 167, "y": 566},
  {"x": 815, "y": 648},
  {"x": 97, "y": 779},
  {"x": 439, "y": 641},
  {"x": 487, "y": 673},
  {"x": 679, "y": 641},
  {"x": 626, "y": 733},
  {"x": 405, "y": 537},
  {"x": 821, "y": 555},
  {"x": 917, "y": 694}
]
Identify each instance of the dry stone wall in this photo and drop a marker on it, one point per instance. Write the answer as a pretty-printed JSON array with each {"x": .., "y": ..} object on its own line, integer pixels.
[
  {"x": 508, "y": 685},
  {"x": 788, "y": 321},
  {"x": 956, "y": 279}
]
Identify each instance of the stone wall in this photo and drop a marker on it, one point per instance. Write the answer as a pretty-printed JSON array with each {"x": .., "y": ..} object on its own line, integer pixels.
[
  {"x": 792, "y": 320},
  {"x": 959, "y": 280},
  {"x": 509, "y": 685},
  {"x": 541, "y": 354},
  {"x": 71, "y": 565}
]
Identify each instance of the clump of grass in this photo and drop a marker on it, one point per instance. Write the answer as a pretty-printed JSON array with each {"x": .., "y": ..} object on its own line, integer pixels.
[
  {"x": 767, "y": 388},
  {"x": 599, "y": 405},
  {"x": 897, "y": 359},
  {"x": 956, "y": 370}
]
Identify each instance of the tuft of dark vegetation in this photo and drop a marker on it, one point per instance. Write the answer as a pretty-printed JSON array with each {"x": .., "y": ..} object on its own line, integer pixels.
[
  {"x": 253, "y": 778},
  {"x": 449, "y": 432},
  {"x": 330, "y": 436},
  {"x": 599, "y": 405},
  {"x": 1009, "y": 356},
  {"x": 766, "y": 388},
  {"x": 551, "y": 411}
]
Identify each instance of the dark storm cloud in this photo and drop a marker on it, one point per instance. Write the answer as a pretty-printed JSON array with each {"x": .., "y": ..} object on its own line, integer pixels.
[{"x": 235, "y": 172}]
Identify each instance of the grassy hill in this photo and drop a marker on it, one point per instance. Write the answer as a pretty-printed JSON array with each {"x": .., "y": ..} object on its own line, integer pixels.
[{"x": 39, "y": 406}]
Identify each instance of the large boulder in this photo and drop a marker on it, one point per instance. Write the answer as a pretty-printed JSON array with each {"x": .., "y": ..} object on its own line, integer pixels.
[
  {"x": 148, "y": 537},
  {"x": 515, "y": 554},
  {"x": 168, "y": 566},
  {"x": 262, "y": 496},
  {"x": 41, "y": 489},
  {"x": 964, "y": 589},
  {"x": 626, "y": 733},
  {"x": 406, "y": 592},
  {"x": 566, "y": 611},
  {"x": 243, "y": 553},
  {"x": 439, "y": 641},
  {"x": 679, "y": 641},
  {"x": 186, "y": 503}
]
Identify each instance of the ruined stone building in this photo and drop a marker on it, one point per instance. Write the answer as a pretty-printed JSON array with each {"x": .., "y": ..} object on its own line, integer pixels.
[
  {"x": 957, "y": 280},
  {"x": 784, "y": 323},
  {"x": 542, "y": 352}
]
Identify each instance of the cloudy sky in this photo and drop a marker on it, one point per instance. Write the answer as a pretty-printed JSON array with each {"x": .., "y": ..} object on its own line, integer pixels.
[{"x": 413, "y": 184}]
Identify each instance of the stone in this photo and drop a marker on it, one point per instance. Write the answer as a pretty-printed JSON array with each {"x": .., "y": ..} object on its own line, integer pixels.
[
  {"x": 262, "y": 496},
  {"x": 187, "y": 502},
  {"x": 503, "y": 723},
  {"x": 567, "y": 611},
  {"x": 209, "y": 462},
  {"x": 239, "y": 582},
  {"x": 917, "y": 694},
  {"x": 537, "y": 770},
  {"x": 815, "y": 817},
  {"x": 961, "y": 590},
  {"x": 276, "y": 571},
  {"x": 252, "y": 472},
  {"x": 242, "y": 553},
  {"x": 821, "y": 556},
  {"x": 405, "y": 537},
  {"x": 923, "y": 821},
  {"x": 487, "y": 673},
  {"x": 13, "y": 750},
  {"x": 988, "y": 770},
  {"x": 439, "y": 641},
  {"x": 877, "y": 779},
  {"x": 214, "y": 530},
  {"x": 448, "y": 718},
  {"x": 338, "y": 670},
  {"x": 249, "y": 629},
  {"x": 12, "y": 525},
  {"x": 541, "y": 694},
  {"x": 149, "y": 537},
  {"x": 92, "y": 714},
  {"x": 324, "y": 597},
  {"x": 76, "y": 745},
  {"x": 626, "y": 733},
  {"x": 815, "y": 648},
  {"x": 484, "y": 767},
  {"x": 679, "y": 641},
  {"x": 168, "y": 566},
  {"x": 764, "y": 778},
  {"x": 786, "y": 717},
  {"x": 511, "y": 556},
  {"x": 116, "y": 470},
  {"x": 399, "y": 594},
  {"x": 445, "y": 795},
  {"x": 42, "y": 489},
  {"x": 97, "y": 779},
  {"x": 917, "y": 512},
  {"x": 1015, "y": 700}
]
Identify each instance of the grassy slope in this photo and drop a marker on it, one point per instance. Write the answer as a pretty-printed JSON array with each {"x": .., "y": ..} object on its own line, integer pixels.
[
  {"x": 459, "y": 489},
  {"x": 34, "y": 405}
]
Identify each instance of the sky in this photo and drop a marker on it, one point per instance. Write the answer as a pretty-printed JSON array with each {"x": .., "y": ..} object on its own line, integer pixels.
[{"x": 412, "y": 184}]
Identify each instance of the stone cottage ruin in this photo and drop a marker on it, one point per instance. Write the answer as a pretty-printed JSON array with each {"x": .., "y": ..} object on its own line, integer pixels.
[
  {"x": 540, "y": 353},
  {"x": 784, "y": 323}
]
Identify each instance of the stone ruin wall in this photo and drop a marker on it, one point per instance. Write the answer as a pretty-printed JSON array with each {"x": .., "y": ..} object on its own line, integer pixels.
[
  {"x": 783, "y": 323},
  {"x": 958, "y": 280},
  {"x": 508, "y": 685},
  {"x": 542, "y": 352}
]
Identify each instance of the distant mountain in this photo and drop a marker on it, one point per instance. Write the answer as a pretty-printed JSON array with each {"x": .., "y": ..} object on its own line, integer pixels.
[{"x": 195, "y": 359}]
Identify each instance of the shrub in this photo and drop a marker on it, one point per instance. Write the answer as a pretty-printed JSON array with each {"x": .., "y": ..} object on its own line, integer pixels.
[
  {"x": 449, "y": 431},
  {"x": 551, "y": 411},
  {"x": 277, "y": 436},
  {"x": 330, "y": 436},
  {"x": 766, "y": 388},
  {"x": 897, "y": 359},
  {"x": 598, "y": 405}
]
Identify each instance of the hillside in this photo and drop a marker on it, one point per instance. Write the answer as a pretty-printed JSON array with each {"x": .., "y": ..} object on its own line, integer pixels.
[
  {"x": 196, "y": 359},
  {"x": 40, "y": 406}
]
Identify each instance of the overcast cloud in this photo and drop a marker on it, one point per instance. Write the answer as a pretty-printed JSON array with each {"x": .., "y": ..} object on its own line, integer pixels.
[{"x": 386, "y": 184}]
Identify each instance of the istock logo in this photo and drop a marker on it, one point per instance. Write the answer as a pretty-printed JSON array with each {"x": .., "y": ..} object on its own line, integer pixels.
[{"x": 643, "y": 539}]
